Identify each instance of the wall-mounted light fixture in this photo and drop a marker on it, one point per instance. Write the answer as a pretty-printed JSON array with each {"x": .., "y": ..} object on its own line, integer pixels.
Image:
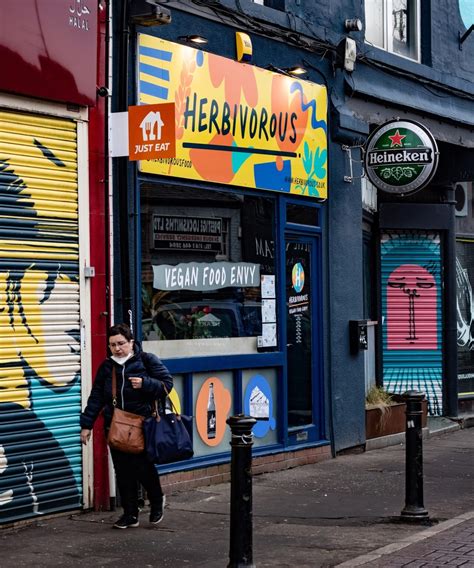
[
  {"x": 296, "y": 71},
  {"x": 149, "y": 13},
  {"x": 353, "y": 25},
  {"x": 193, "y": 39}
]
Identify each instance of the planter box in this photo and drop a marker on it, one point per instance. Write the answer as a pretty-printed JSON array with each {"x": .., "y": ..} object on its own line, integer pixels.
[
  {"x": 392, "y": 421},
  {"x": 424, "y": 408}
]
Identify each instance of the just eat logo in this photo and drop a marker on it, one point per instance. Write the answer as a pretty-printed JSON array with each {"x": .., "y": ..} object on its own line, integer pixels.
[{"x": 151, "y": 131}]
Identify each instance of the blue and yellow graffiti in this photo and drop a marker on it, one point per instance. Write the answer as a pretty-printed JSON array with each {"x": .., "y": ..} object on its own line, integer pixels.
[{"x": 40, "y": 455}]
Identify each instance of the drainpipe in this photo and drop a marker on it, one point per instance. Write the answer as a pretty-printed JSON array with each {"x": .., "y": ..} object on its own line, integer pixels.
[
  {"x": 124, "y": 237},
  {"x": 450, "y": 384}
]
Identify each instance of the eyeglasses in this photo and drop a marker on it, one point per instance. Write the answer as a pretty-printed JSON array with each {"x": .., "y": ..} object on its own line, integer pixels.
[{"x": 118, "y": 344}]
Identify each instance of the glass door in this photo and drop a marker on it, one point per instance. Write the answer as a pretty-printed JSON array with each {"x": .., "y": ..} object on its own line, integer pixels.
[{"x": 300, "y": 344}]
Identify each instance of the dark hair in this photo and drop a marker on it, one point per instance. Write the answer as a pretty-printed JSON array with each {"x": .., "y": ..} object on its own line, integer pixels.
[{"x": 120, "y": 329}]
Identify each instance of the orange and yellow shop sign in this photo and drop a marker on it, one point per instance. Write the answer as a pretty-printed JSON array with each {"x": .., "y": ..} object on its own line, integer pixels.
[{"x": 235, "y": 123}]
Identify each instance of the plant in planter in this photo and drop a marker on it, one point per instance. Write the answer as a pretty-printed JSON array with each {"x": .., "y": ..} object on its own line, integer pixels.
[{"x": 383, "y": 415}]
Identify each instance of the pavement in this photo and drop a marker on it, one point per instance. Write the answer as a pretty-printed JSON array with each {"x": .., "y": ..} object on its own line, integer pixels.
[{"x": 341, "y": 512}]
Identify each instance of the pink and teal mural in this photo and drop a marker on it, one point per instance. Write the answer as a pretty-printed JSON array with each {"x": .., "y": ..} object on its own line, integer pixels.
[{"x": 412, "y": 315}]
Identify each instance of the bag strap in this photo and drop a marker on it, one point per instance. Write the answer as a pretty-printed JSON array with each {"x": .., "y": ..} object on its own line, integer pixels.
[{"x": 156, "y": 413}]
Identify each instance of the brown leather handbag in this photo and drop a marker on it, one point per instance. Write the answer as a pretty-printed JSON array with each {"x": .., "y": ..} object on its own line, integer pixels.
[{"x": 126, "y": 428}]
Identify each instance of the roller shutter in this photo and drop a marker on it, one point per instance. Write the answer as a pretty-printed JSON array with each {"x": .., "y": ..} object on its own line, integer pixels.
[
  {"x": 412, "y": 314},
  {"x": 40, "y": 402}
]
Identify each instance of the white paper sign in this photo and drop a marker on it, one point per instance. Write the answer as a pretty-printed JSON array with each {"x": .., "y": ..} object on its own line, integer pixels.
[{"x": 268, "y": 285}]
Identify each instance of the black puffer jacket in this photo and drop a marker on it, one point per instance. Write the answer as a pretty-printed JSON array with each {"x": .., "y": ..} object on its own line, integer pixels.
[{"x": 139, "y": 401}]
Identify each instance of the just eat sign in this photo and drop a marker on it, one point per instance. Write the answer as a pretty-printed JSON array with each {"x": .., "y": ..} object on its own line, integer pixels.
[{"x": 151, "y": 131}]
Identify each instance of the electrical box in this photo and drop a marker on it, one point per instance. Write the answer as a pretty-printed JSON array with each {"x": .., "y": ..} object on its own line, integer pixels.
[{"x": 358, "y": 336}]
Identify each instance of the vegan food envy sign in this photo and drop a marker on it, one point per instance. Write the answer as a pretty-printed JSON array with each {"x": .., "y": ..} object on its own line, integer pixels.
[
  {"x": 401, "y": 157},
  {"x": 235, "y": 123}
]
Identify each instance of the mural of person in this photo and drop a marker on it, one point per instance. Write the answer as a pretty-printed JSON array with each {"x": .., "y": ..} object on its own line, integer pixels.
[
  {"x": 40, "y": 451},
  {"x": 411, "y": 306}
]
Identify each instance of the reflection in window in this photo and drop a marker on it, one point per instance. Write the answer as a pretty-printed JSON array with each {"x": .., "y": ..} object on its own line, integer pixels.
[
  {"x": 393, "y": 25},
  {"x": 203, "y": 256}
]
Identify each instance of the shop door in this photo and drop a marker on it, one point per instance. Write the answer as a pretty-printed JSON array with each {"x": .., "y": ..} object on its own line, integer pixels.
[
  {"x": 40, "y": 370},
  {"x": 303, "y": 409}
]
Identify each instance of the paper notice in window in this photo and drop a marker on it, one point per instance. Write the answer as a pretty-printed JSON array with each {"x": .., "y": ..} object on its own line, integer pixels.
[
  {"x": 269, "y": 338},
  {"x": 268, "y": 311},
  {"x": 268, "y": 285}
]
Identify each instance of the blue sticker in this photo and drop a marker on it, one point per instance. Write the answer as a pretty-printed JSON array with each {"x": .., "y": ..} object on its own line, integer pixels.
[{"x": 258, "y": 402}]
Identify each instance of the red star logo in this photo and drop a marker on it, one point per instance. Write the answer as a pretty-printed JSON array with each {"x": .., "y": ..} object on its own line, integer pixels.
[{"x": 397, "y": 139}]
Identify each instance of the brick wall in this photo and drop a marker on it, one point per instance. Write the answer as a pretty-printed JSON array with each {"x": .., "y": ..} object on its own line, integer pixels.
[{"x": 183, "y": 480}]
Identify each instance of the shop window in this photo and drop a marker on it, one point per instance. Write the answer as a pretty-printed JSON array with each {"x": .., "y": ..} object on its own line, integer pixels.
[
  {"x": 207, "y": 259},
  {"x": 394, "y": 25},
  {"x": 302, "y": 215}
]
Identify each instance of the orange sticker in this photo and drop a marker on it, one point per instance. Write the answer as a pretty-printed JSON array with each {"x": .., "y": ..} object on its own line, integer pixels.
[
  {"x": 151, "y": 131},
  {"x": 212, "y": 409}
]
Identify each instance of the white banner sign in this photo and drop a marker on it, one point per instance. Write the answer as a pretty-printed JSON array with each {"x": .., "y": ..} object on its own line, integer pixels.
[{"x": 202, "y": 276}]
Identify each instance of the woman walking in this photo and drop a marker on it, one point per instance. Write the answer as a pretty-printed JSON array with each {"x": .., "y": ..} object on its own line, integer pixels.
[{"x": 141, "y": 378}]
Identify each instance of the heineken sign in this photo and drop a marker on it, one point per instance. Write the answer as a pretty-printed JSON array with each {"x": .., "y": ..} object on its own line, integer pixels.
[{"x": 401, "y": 157}]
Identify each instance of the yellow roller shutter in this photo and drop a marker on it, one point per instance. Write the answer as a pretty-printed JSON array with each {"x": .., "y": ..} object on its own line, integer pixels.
[{"x": 40, "y": 452}]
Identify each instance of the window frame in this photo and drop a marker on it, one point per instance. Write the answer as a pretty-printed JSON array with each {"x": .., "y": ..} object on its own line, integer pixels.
[{"x": 388, "y": 35}]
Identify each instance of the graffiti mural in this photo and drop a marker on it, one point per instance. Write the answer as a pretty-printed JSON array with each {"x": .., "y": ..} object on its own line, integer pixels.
[
  {"x": 40, "y": 454},
  {"x": 412, "y": 315},
  {"x": 465, "y": 315}
]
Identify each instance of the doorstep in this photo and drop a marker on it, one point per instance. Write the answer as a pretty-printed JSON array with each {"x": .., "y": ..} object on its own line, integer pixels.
[{"x": 391, "y": 440}]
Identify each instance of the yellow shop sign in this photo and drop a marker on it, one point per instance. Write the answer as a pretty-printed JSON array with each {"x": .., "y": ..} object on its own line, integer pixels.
[{"x": 236, "y": 123}]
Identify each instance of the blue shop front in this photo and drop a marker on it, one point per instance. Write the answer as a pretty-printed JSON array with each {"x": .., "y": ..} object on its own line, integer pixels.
[{"x": 226, "y": 258}]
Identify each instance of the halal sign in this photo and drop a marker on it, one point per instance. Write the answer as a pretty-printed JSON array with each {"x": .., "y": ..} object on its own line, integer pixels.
[{"x": 401, "y": 157}]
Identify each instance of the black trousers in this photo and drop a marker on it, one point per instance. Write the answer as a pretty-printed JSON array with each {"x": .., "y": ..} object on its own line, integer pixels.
[{"x": 132, "y": 470}]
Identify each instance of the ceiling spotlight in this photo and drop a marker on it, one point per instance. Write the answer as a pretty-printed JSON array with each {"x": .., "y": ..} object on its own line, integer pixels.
[
  {"x": 353, "y": 25},
  {"x": 196, "y": 39},
  {"x": 296, "y": 71}
]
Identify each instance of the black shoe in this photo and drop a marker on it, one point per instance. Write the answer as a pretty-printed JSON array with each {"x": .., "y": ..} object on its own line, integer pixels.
[
  {"x": 126, "y": 521},
  {"x": 156, "y": 514}
]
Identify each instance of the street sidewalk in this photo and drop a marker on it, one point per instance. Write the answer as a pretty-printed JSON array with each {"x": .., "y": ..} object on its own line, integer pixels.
[{"x": 320, "y": 515}]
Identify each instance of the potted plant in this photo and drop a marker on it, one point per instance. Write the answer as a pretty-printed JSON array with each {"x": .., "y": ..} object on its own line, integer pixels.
[{"x": 383, "y": 415}]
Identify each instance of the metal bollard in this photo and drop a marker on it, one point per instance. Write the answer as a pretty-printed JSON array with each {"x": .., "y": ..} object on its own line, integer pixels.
[
  {"x": 240, "y": 551},
  {"x": 414, "y": 509}
]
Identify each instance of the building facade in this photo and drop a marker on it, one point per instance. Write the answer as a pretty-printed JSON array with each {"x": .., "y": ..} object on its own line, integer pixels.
[{"x": 254, "y": 257}]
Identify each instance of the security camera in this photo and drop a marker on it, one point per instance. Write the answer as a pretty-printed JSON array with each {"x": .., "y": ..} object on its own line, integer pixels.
[{"x": 103, "y": 92}]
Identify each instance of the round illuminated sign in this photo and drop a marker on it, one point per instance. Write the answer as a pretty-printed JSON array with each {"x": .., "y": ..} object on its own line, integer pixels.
[{"x": 401, "y": 157}]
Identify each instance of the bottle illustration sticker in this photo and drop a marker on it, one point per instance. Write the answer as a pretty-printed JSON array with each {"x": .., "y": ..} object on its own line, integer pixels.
[
  {"x": 212, "y": 410},
  {"x": 211, "y": 413},
  {"x": 258, "y": 403}
]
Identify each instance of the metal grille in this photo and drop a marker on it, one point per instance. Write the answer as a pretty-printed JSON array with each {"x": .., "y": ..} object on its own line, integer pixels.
[
  {"x": 40, "y": 402},
  {"x": 412, "y": 314}
]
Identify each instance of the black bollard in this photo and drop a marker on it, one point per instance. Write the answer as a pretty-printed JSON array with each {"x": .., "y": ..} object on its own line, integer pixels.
[
  {"x": 240, "y": 551},
  {"x": 414, "y": 509}
]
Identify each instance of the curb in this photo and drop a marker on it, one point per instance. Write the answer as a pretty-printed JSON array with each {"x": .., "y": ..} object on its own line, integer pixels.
[{"x": 400, "y": 545}]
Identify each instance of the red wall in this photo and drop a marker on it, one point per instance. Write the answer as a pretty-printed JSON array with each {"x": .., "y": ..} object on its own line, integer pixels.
[
  {"x": 48, "y": 49},
  {"x": 98, "y": 255}
]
